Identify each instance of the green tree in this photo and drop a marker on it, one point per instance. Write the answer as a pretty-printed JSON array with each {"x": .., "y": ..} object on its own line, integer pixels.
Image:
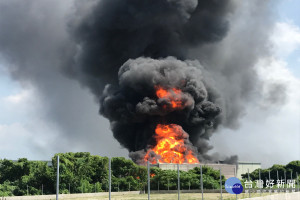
[
  {"x": 11, "y": 171},
  {"x": 7, "y": 189}
]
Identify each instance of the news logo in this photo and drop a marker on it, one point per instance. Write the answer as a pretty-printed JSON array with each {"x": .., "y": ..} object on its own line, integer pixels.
[{"x": 233, "y": 186}]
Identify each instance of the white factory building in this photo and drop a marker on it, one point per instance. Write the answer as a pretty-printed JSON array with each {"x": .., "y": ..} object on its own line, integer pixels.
[
  {"x": 243, "y": 168},
  {"x": 228, "y": 170}
]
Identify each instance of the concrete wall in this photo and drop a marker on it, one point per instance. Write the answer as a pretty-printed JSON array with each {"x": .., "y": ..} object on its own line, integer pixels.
[
  {"x": 227, "y": 170},
  {"x": 244, "y": 166}
]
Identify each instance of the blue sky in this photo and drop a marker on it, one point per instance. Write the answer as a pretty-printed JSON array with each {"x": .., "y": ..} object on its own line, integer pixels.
[
  {"x": 289, "y": 12},
  {"x": 22, "y": 118},
  {"x": 7, "y": 86}
]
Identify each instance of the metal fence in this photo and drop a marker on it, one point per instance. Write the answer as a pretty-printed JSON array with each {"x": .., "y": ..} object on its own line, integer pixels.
[{"x": 281, "y": 185}]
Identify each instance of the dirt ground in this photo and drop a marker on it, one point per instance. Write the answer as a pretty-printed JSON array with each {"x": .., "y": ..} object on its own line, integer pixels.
[{"x": 183, "y": 196}]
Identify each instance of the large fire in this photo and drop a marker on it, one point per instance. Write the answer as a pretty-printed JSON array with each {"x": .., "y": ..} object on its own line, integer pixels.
[
  {"x": 170, "y": 147},
  {"x": 170, "y": 138},
  {"x": 174, "y": 95}
]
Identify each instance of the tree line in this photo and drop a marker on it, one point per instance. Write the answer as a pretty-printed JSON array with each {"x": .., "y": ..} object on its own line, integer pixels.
[
  {"x": 85, "y": 173},
  {"x": 288, "y": 171}
]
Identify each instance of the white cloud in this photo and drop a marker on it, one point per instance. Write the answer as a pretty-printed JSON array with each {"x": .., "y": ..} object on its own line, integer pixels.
[
  {"x": 286, "y": 38},
  {"x": 27, "y": 131},
  {"x": 19, "y": 98},
  {"x": 270, "y": 135},
  {"x": 20, "y": 106},
  {"x": 23, "y": 131},
  {"x": 21, "y": 140}
]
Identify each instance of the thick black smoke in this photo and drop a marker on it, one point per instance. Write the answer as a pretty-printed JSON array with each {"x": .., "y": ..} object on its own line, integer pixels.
[
  {"x": 227, "y": 37},
  {"x": 134, "y": 109},
  {"x": 117, "y": 30}
]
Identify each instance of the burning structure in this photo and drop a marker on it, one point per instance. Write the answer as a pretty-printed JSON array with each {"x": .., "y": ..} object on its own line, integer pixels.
[{"x": 162, "y": 104}]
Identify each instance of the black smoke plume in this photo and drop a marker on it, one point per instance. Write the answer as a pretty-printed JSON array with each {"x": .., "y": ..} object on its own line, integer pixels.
[
  {"x": 117, "y": 30},
  {"x": 90, "y": 40},
  {"x": 134, "y": 110},
  {"x": 147, "y": 32}
]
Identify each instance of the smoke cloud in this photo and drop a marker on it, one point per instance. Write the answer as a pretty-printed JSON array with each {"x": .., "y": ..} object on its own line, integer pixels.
[
  {"x": 115, "y": 31},
  {"x": 122, "y": 49},
  {"x": 134, "y": 109}
]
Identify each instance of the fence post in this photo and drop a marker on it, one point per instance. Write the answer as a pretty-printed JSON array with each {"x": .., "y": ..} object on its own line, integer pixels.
[
  {"x": 248, "y": 181},
  {"x": 285, "y": 180},
  {"x": 235, "y": 175},
  {"x": 148, "y": 166},
  {"x": 270, "y": 180},
  {"x": 201, "y": 181},
  {"x": 178, "y": 176},
  {"x": 109, "y": 178},
  {"x": 221, "y": 183},
  {"x": 297, "y": 180},
  {"x": 57, "y": 178}
]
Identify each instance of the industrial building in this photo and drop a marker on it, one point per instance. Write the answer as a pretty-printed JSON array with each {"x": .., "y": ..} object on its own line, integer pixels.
[
  {"x": 243, "y": 168},
  {"x": 226, "y": 170}
]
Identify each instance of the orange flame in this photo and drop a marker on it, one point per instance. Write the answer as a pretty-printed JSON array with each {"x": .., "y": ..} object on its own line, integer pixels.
[
  {"x": 170, "y": 147},
  {"x": 152, "y": 175},
  {"x": 174, "y": 95}
]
